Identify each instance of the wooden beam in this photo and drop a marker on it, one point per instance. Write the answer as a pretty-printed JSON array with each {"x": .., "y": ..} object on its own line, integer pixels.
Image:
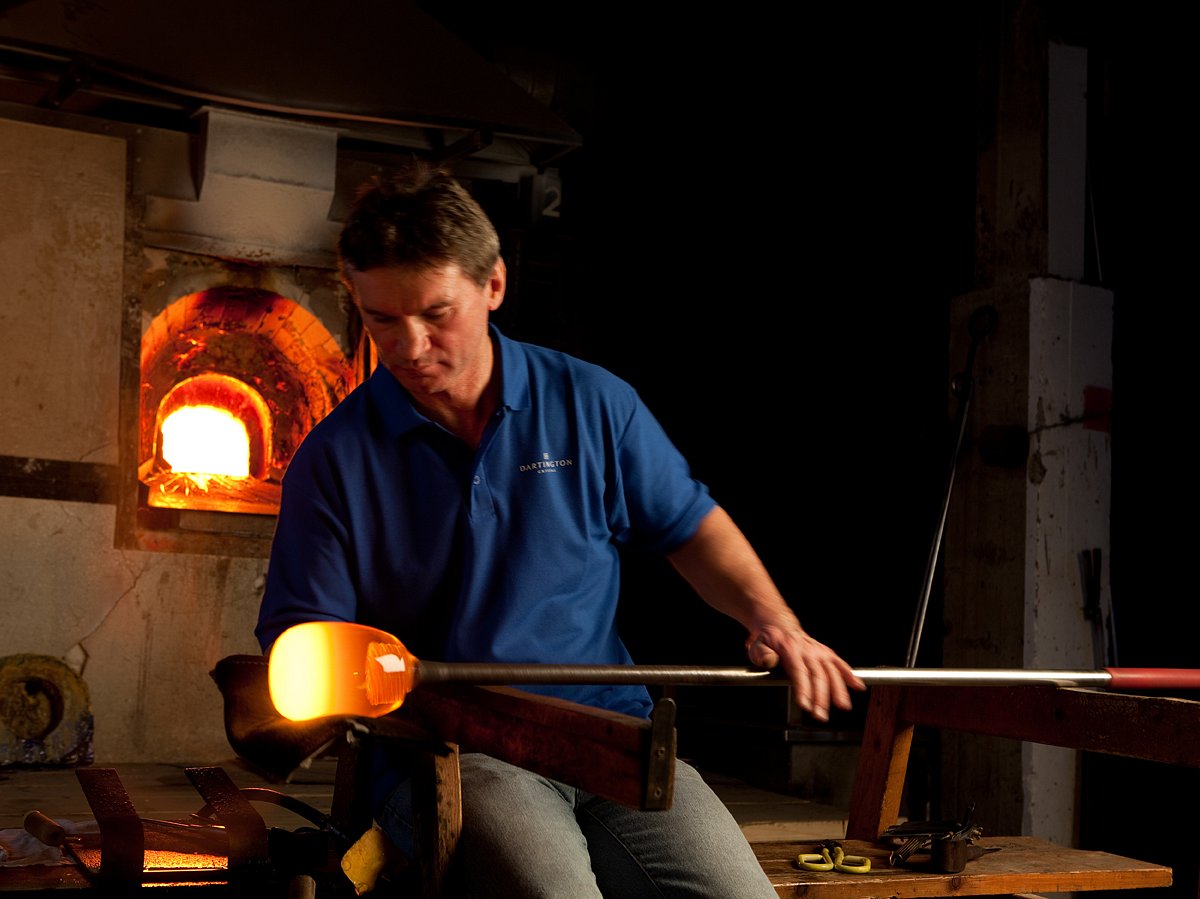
[
  {"x": 1155, "y": 728},
  {"x": 606, "y": 753}
]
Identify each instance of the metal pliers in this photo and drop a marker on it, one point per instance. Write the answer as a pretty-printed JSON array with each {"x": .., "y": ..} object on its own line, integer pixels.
[{"x": 832, "y": 857}]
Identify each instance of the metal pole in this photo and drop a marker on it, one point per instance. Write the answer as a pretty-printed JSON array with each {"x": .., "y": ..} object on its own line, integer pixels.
[
  {"x": 981, "y": 323},
  {"x": 487, "y": 673}
]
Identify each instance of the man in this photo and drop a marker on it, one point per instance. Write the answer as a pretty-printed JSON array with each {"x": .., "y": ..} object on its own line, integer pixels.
[{"x": 472, "y": 497}]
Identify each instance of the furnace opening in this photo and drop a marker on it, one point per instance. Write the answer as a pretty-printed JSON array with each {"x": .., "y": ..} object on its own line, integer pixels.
[{"x": 232, "y": 380}]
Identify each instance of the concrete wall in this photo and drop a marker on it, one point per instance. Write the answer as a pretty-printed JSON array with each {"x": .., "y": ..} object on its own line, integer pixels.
[
  {"x": 143, "y": 629},
  {"x": 1024, "y": 512},
  {"x": 105, "y": 225}
]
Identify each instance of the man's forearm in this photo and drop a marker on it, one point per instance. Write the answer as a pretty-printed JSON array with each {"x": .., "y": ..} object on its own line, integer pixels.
[{"x": 727, "y": 573}]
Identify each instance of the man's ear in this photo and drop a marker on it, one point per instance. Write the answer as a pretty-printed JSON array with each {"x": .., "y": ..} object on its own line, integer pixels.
[{"x": 495, "y": 285}]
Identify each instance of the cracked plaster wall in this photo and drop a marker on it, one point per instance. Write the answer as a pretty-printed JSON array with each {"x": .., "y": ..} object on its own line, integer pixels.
[{"x": 143, "y": 629}]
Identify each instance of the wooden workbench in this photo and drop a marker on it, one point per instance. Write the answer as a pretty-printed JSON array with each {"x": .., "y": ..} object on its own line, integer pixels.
[
  {"x": 1013, "y": 865},
  {"x": 1019, "y": 864}
]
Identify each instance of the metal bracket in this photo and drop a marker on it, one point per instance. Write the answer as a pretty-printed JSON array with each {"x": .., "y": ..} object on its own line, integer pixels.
[
  {"x": 248, "y": 846},
  {"x": 122, "y": 837},
  {"x": 660, "y": 766}
]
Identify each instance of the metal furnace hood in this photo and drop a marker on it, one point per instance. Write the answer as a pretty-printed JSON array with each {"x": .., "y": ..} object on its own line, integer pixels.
[{"x": 371, "y": 63}]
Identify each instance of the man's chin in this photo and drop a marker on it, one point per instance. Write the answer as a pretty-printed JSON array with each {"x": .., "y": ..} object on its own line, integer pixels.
[{"x": 416, "y": 382}]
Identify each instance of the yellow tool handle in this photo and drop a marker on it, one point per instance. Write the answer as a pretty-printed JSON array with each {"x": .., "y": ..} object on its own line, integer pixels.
[
  {"x": 839, "y": 861},
  {"x": 815, "y": 861},
  {"x": 850, "y": 864}
]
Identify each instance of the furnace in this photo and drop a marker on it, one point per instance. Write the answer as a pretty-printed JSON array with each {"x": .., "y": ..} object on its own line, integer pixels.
[{"x": 232, "y": 379}]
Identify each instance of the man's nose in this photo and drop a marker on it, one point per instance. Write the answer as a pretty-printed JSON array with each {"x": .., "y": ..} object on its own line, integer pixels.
[{"x": 410, "y": 340}]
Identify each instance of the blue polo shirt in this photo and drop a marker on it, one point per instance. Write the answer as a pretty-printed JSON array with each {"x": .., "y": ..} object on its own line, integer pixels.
[{"x": 505, "y": 553}]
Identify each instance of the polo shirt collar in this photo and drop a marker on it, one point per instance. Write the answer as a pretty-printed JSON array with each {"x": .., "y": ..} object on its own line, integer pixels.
[
  {"x": 398, "y": 414},
  {"x": 514, "y": 371}
]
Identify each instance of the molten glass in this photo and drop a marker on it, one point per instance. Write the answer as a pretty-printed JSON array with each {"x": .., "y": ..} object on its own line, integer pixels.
[
  {"x": 206, "y": 440},
  {"x": 323, "y": 668}
]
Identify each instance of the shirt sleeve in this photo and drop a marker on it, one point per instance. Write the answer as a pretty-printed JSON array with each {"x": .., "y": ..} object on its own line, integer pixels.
[
  {"x": 308, "y": 577},
  {"x": 662, "y": 503}
]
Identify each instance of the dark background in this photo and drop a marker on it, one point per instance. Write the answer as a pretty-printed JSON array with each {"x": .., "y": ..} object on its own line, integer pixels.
[{"x": 763, "y": 230}]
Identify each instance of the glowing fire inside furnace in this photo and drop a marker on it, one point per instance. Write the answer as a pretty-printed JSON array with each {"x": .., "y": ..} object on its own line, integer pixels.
[{"x": 204, "y": 441}]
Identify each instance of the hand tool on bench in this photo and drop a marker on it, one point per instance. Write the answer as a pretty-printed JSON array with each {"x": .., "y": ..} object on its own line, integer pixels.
[
  {"x": 950, "y": 844},
  {"x": 833, "y": 857},
  {"x": 322, "y": 668}
]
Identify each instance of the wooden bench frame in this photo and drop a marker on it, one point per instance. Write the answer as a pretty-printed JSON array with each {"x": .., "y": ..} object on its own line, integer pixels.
[
  {"x": 632, "y": 761},
  {"x": 1158, "y": 729},
  {"x": 621, "y": 757},
  {"x": 629, "y": 760}
]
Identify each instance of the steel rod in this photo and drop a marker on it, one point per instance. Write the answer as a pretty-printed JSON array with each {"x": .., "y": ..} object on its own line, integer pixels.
[
  {"x": 484, "y": 673},
  {"x": 487, "y": 673}
]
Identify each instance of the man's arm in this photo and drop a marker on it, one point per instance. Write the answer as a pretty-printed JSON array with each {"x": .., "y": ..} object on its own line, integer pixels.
[{"x": 722, "y": 566}]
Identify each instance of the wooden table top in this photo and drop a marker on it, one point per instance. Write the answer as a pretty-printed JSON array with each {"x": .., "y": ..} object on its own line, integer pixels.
[{"x": 1012, "y": 865}]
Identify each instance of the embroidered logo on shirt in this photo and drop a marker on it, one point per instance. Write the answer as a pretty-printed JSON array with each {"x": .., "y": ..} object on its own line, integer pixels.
[{"x": 546, "y": 465}]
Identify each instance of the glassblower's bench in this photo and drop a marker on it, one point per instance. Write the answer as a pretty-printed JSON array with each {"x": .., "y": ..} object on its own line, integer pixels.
[{"x": 627, "y": 759}]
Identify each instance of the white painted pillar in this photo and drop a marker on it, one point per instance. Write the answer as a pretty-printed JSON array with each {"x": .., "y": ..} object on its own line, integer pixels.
[{"x": 1068, "y": 500}]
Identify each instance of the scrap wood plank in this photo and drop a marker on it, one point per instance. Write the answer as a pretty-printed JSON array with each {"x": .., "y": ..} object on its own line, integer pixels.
[{"x": 1017, "y": 865}]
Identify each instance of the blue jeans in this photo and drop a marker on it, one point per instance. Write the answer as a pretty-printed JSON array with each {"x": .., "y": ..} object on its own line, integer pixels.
[{"x": 528, "y": 837}]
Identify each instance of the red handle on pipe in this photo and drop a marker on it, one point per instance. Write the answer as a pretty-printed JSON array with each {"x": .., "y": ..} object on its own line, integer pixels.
[{"x": 1154, "y": 678}]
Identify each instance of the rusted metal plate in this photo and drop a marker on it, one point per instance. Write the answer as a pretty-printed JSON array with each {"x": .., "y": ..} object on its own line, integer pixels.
[
  {"x": 122, "y": 839},
  {"x": 659, "y": 784},
  {"x": 247, "y": 831}
]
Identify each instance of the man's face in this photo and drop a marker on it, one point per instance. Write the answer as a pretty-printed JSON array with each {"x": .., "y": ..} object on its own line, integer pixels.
[{"x": 430, "y": 326}]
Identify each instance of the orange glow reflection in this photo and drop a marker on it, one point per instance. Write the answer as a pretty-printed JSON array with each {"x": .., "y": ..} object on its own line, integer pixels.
[
  {"x": 322, "y": 668},
  {"x": 206, "y": 440}
]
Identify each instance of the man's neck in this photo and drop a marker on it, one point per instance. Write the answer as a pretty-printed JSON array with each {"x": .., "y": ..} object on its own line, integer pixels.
[{"x": 465, "y": 419}]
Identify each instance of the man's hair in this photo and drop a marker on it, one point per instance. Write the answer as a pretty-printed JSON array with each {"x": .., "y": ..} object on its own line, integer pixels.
[{"x": 418, "y": 216}]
